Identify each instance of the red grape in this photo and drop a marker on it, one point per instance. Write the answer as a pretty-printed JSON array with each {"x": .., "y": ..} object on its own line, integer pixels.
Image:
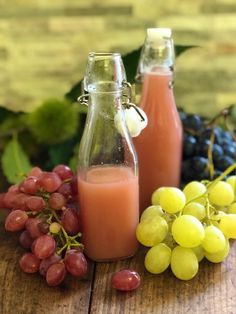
[
  {"x": 32, "y": 246},
  {"x": 126, "y": 280},
  {"x": 35, "y": 172},
  {"x": 9, "y": 199},
  {"x": 29, "y": 185},
  {"x": 26, "y": 240},
  {"x": 46, "y": 263},
  {"x": 56, "y": 274},
  {"x": 13, "y": 188},
  {"x": 49, "y": 181},
  {"x": 16, "y": 220},
  {"x": 56, "y": 201},
  {"x": 63, "y": 171},
  {"x": 70, "y": 221},
  {"x": 35, "y": 203},
  {"x": 32, "y": 226},
  {"x": 76, "y": 263},
  {"x": 74, "y": 185},
  {"x": 20, "y": 200},
  {"x": 44, "y": 246},
  {"x": 43, "y": 227},
  {"x": 15, "y": 200},
  {"x": 65, "y": 189},
  {"x": 29, "y": 263}
]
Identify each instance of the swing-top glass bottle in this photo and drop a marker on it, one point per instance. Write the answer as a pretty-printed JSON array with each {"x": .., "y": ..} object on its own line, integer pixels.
[
  {"x": 108, "y": 170},
  {"x": 159, "y": 146}
]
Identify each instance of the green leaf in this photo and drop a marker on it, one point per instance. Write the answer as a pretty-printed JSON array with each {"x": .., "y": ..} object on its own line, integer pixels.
[
  {"x": 74, "y": 92},
  {"x": 179, "y": 49},
  {"x": 60, "y": 153},
  {"x": 6, "y": 113},
  {"x": 15, "y": 162},
  {"x": 130, "y": 61}
]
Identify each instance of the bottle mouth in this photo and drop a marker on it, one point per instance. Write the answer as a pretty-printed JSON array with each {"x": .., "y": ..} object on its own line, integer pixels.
[
  {"x": 104, "y": 72},
  {"x": 159, "y": 32},
  {"x": 104, "y": 54}
]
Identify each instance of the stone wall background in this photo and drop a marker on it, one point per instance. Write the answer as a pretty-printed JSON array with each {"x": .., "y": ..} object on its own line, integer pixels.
[{"x": 44, "y": 46}]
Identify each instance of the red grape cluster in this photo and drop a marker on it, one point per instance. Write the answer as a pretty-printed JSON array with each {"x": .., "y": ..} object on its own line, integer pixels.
[{"x": 44, "y": 208}]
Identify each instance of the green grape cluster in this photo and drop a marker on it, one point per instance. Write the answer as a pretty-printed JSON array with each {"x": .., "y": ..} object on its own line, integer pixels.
[{"x": 182, "y": 227}]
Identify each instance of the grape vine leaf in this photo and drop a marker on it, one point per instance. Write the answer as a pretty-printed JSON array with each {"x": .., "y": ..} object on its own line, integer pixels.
[
  {"x": 6, "y": 113},
  {"x": 130, "y": 61},
  {"x": 15, "y": 162}
]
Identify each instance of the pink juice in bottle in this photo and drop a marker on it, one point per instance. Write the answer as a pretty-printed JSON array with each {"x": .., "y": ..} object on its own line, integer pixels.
[
  {"x": 159, "y": 146},
  {"x": 109, "y": 212}
]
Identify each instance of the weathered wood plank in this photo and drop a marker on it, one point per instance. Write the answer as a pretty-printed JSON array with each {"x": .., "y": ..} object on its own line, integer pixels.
[
  {"x": 29, "y": 294},
  {"x": 211, "y": 291}
]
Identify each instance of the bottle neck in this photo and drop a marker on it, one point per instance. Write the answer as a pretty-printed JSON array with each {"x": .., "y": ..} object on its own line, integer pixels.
[
  {"x": 105, "y": 104},
  {"x": 157, "y": 57}
]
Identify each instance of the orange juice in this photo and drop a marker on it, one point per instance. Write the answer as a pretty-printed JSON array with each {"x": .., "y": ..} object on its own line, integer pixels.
[
  {"x": 159, "y": 146},
  {"x": 109, "y": 212}
]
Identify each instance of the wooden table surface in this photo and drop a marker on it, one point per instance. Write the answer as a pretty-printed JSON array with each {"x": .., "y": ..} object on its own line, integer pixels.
[{"x": 213, "y": 290}]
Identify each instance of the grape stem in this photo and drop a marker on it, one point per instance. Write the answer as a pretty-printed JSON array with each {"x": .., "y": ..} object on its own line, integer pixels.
[
  {"x": 70, "y": 241},
  {"x": 210, "y": 157},
  {"x": 209, "y": 186},
  {"x": 221, "y": 177},
  {"x": 208, "y": 211},
  {"x": 223, "y": 113},
  {"x": 49, "y": 220}
]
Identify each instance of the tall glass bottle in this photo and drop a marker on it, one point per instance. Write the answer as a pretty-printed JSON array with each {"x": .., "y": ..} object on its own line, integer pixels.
[
  {"x": 108, "y": 171},
  {"x": 159, "y": 146}
]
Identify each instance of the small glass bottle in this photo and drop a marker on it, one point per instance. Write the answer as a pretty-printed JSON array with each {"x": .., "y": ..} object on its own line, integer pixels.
[
  {"x": 108, "y": 169},
  {"x": 159, "y": 146}
]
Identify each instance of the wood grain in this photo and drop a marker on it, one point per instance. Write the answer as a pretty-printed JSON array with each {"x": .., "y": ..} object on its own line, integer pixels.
[
  {"x": 22, "y": 293},
  {"x": 213, "y": 290}
]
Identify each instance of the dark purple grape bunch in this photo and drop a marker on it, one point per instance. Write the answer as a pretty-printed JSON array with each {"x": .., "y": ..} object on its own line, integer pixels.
[
  {"x": 208, "y": 149},
  {"x": 44, "y": 208}
]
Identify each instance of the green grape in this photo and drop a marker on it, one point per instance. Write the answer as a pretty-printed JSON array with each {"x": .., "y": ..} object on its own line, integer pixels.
[
  {"x": 157, "y": 258},
  {"x": 188, "y": 231},
  {"x": 195, "y": 209},
  {"x": 214, "y": 240},
  {"x": 150, "y": 232},
  {"x": 232, "y": 181},
  {"x": 227, "y": 225},
  {"x": 232, "y": 208},
  {"x": 194, "y": 190},
  {"x": 172, "y": 200},
  {"x": 221, "y": 194},
  {"x": 151, "y": 211},
  {"x": 199, "y": 252},
  {"x": 156, "y": 196},
  {"x": 184, "y": 263},
  {"x": 220, "y": 255}
]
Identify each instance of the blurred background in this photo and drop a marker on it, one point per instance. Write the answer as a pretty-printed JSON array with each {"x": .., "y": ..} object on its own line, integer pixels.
[{"x": 44, "y": 46}]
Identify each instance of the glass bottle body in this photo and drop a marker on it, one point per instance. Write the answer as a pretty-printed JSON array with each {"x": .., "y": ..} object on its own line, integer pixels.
[
  {"x": 159, "y": 146},
  {"x": 107, "y": 181}
]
